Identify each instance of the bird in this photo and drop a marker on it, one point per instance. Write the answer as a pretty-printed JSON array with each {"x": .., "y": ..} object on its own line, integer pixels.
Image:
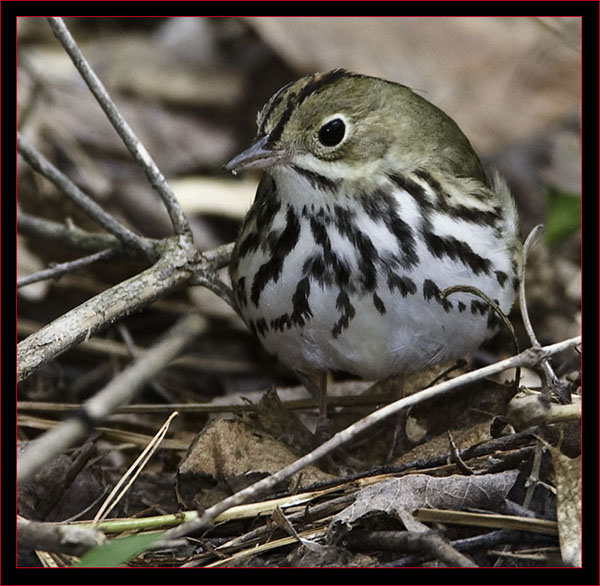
[{"x": 372, "y": 202}]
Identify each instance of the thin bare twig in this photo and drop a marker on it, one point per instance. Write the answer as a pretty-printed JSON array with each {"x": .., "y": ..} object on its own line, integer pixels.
[
  {"x": 233, "y": 407},
  {"x": 66, "y": 267},
  {"x": 119, "y": 391},
  {"x": 533, "y": 480},
  {"x": 535, "y": 233},
  {"x": 67, "y": 234},
  {"x": 45, "y": 168},
  {"x": 529, "y": 357},
  {"x": 479, "y": 293},
  {"x": 456, "y": 457},
  {"x": 496, "y": 308},
  {"x": 101, "y": 346},
  {"x": 135, "y": 147}
]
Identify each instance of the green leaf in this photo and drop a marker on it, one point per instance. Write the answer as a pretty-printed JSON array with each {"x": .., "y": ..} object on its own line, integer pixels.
[
  {"x": 563, "y": 215},
  {"x": 117, "y": 551}
]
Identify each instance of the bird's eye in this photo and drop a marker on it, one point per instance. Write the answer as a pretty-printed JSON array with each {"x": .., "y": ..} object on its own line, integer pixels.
[{"x": 332, "y": 133}]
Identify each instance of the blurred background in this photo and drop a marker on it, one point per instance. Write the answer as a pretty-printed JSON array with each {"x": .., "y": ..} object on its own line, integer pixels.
[{"x": 191, "y": 88}]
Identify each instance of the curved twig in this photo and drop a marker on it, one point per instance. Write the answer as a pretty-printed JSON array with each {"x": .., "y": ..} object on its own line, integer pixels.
[
  {"x": 549, "y": 378},
  {"x": 66, "y": 267},
  {"x": 68, "y": 234},
  {"x": 479, "y": 293}
]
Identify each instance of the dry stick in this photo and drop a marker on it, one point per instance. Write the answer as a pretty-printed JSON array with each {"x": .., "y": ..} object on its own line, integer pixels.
[
  {"x": 533, "y": 480},
  {"x": 136, "y": 148},
  {"x": 67, "y": 234},
  {"x": 119, "y": 391},
  {"x": 172, "y": 269},
  {"x": 529, "y": 357},
  {"x": 494, "y": 306},
  {"x": 40, "y": 164},
  {"x": 548, "y": 376},
  {"x": 66, "y": 267}
]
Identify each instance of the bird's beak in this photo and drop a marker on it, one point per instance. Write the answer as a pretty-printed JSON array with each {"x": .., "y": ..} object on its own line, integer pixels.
[{"x": 258, "y": 156}]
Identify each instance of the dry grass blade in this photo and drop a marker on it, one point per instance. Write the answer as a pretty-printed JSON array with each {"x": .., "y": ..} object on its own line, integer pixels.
[
  {"x": 487, "y": 520},
  {"x": 133, "y": 472},
  {"x": 276, "y": 543}
]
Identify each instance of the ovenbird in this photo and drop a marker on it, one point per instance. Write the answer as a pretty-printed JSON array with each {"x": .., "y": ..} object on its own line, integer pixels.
[{"x": 372, "y": 203}]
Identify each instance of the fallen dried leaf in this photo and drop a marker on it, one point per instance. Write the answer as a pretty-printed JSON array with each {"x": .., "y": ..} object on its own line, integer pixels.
[
  {"x": 229, "y": 455},
  {"x": 399, "y": 497}
]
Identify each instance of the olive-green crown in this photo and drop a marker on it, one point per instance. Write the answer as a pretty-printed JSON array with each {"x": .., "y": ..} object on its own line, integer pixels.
[{"x": 385, "y": 120}]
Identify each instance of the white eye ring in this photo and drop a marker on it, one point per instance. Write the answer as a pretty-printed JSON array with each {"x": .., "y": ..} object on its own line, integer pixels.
[{"x": 329, "y": 132}]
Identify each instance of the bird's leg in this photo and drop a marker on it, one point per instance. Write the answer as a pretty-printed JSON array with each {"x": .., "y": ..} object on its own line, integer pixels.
[
  {"x": 316, "y": 384},
  {"x": 322, "y": 424},
  {"x": 398, "y": 419},
  {"x": 322, "y": 431}
]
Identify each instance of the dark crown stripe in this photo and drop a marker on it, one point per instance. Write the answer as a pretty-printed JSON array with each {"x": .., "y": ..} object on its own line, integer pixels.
[
  {"x": 287, "y": 113},
  {"x": 314, "y": 85},
  {"x": 271, "y": 106},
  {"x": 320, "y": 82}
]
